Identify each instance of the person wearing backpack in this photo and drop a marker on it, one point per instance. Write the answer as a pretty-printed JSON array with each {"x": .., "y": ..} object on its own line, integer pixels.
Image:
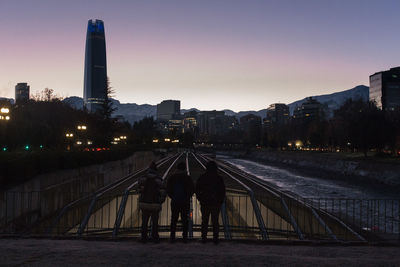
[
  {"x": 152, "y": 195},
  {"x": 210, "y": 191},
  {"x": 180, "y": 189}
]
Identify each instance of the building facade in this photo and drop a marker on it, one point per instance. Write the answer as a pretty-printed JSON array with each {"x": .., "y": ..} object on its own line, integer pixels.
[
  {"x": 308, "y": 111},
  {"x": 384, "y": 89},
  {"x": 21, "y": 92},
  {"x": 277, "y": 114},
  {"x": 190, "y": 122},
  {"x": 203, "y": 120},
  {"x": 95, "y": 80},
  {"x": 251, "y": 127},
  {"x": 169, "y": 110}
]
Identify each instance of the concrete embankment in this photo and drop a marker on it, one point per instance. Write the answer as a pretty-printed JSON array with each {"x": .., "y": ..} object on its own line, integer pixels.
[
  {"x": 47, "y": 193},
  {"x": 330, "y": 165}
]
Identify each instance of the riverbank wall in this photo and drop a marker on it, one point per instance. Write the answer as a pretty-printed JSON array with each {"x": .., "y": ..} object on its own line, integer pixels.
[{"x": 48, "y": 193}]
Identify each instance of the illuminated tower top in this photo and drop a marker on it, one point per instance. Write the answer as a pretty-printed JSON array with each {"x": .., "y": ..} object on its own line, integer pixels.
[{"x": 96, "y": 26}]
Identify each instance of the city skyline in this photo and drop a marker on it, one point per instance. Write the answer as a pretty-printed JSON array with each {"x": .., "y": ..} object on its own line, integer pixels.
[{"x": 229, "y": 55}]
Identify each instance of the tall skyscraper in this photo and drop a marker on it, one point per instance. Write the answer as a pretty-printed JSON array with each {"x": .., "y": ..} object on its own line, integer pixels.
[
  {"x": 21, "y": 92},
  {"x": 384, "y": 89},
  {"x": 95, "y": 84}
]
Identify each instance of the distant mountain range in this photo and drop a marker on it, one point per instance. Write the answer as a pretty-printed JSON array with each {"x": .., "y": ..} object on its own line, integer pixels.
[
  {"x": 335, "y": 100},
  {"x": 133, "y": 112}
]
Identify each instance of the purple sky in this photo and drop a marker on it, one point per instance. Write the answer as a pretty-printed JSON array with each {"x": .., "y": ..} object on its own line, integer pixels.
[{"x": 213, "y": 54}]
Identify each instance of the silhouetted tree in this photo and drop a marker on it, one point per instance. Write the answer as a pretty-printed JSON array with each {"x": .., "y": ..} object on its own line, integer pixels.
[
  {"x": 107, "y": 107},
  {"x": 362, "y": 124},
  {"x": 144, "y": 131}
]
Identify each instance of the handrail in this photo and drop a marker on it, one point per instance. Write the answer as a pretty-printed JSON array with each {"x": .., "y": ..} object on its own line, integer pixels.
[
  {"x": 88, "y": 214},
  {"x": 260, "y": 220},
  {"x": 327, "y": 228},
  {"x": 315, "y": 214},
  {"x": 122, "y": 206},
  {"x": 227, "y": 229},
  {"x": 103, "y": 189},
  {"x": 292, "y": 219},
  {"x": 283, "y": 202}
]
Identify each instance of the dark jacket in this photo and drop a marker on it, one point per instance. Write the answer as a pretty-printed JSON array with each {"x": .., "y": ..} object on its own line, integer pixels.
[
  {"x": 152, "y": 190},
  {"x": 188, "y": 186},
  {"x": 210, "y": 189}
]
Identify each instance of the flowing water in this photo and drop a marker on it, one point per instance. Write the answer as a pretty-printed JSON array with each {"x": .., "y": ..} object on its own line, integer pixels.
[{"x": 373, "y": 208}]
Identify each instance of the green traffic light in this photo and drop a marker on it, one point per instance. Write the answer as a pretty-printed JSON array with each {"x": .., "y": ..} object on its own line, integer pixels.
[
  {"x": 4, "y": 149},
  {"x": 27, "y": 147},
  {"x": 41, "y": 146}
]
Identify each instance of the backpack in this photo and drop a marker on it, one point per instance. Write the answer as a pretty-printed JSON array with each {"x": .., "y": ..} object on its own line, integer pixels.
[
  {"x": 210, "y": 194},
  {"x": 151, "y": 191},
  {"x": 179, "y": 192}
]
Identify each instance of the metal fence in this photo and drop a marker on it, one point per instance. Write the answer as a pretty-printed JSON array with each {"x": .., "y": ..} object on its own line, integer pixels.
[
  {"x": 285, "y": 218},
  {"x": 376, "y": 219}
]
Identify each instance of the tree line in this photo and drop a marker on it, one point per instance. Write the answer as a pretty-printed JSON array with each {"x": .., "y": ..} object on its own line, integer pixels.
[{"x": 356, "y": 126}]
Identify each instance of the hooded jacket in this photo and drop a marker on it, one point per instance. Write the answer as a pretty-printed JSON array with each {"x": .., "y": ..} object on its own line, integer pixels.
[
  {"x": 210, "y": 189},
  {"x": 180, "y": 176},
  {"x": 151, "y": 198}
]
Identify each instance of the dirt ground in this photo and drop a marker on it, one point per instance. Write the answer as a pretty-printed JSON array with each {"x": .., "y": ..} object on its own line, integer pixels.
[{"x": 44, "y": 252}]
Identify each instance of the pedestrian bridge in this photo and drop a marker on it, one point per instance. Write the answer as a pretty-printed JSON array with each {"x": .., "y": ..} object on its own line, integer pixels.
[{"x": 253, "y": 210}]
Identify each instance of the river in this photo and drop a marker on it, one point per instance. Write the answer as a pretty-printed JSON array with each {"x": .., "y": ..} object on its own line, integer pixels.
[{"x": 309, "y": 186}]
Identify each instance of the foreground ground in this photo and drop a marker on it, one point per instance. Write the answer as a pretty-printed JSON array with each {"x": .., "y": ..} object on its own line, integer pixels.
[{"x": 42, "y": 252}]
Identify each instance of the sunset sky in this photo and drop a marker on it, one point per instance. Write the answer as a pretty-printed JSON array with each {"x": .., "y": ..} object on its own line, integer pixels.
[{"x": 210, "y": 54}]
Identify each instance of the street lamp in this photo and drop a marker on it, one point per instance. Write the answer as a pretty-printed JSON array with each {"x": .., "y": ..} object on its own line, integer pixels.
[{"x": 4, "y": 114}]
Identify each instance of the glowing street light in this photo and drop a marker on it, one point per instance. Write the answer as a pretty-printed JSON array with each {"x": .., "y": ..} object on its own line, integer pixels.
[
  {"x": 4, "y": 114},
  {"x": 5, "y": 110},
  {"x": 299, "y": 143}
]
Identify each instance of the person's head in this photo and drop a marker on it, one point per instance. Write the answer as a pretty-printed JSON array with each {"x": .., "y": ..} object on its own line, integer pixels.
[
  {"x": 211, "y": 166},
  {"x": 181, "y": 166},
  {"x": 153, "y": 166}
]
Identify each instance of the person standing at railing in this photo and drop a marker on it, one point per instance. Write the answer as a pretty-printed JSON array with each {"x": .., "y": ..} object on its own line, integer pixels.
[
  {"x": 152, "y": 195},
  {"x": 180, "y": 189},
  {"x": 210, "y": 191}
]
